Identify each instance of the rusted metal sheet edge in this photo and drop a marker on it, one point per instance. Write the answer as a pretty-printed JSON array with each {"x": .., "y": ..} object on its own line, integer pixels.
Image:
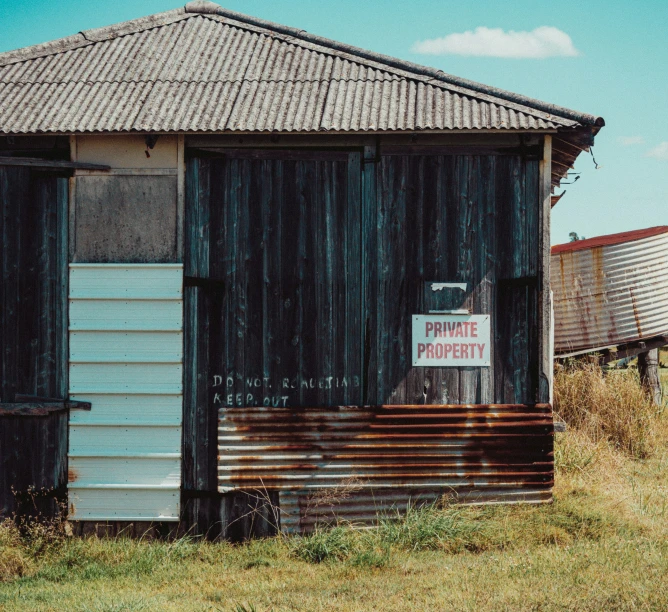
[
  {"x": 390, "y": 407},
  {"x": 619, "y": 351}
]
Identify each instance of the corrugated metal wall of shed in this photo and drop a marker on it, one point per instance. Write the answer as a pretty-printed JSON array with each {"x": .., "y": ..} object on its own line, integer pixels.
[
  {"x": 393, "y": 454},
  {"x": 126, "y": 356},
  {"x": 608, "y": 295}
]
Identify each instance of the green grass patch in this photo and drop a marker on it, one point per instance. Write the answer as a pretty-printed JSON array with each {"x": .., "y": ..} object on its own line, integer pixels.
[{"x": 601, "y": 545}]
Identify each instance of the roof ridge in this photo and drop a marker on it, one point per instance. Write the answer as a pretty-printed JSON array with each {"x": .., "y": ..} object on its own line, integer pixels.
[{"x": 210, "y": 8}]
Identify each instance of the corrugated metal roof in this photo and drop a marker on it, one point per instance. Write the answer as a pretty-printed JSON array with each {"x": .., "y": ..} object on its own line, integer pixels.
[
  {"x": 611, "y": 292},
  {"x": 609, "y": 239},
  {"x": 205, "y": 69}
]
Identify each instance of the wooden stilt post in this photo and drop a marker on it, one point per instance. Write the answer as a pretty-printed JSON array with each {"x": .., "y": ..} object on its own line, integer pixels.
[{"x": 648, "y": 368}]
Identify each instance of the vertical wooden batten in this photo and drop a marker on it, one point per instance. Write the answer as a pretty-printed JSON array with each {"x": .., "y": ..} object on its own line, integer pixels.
[
  {"x": 545, "y": 357},
  {"x": 180, "y": 197},
  {"x": 72, "y": 208}
]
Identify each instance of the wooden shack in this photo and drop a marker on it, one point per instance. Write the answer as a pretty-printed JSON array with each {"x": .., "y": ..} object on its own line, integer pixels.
[{"x": 226, "y": 236}]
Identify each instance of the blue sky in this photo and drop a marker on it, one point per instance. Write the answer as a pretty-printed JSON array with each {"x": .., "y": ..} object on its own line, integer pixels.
[{"x": 620, "y": 72}]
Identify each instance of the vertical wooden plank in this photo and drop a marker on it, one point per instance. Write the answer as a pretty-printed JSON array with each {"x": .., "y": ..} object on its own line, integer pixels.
[
  {"x": 5, "y": 215},
  {"x": 353, "y": 331},
  {"x": 62, "y": 292},
  {"x": 371, "y": 176},
  {"x": 486, "y": 263},
  {"x": 467, "y": 245},
  {"x": 180, "y": 196},
  {"x": 545, "y": 369},
  {"x": 72, "y": 208},
  {"x": 258, "y": 287},
  {"x": 45, "y": 206},
  {"x": 200, "y": 513},
  {"x": 392, "y": 288},
  {"x": 450, "y": 389},
  {"x": 198, "y": 471},
  {"x": 325, "y": 262},
  {"x": 16, "y": 185},
  {"x": 308, "y": 181},
  {"x": 288, "y": 217},
  {"x": 277, "y": 302},
  {"x": 435, "y": 260},
  {"x": 416, "y": 208}
]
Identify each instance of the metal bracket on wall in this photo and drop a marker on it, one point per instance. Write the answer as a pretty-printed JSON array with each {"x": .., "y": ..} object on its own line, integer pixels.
[{"x": 204, "y": 283}]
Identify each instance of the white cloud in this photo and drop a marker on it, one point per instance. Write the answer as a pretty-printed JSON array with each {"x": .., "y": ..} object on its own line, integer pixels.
[
  {"x": 627, "y": 141},
  {"x": 545, "y": 41},
  {"x": 659, "y": 152}
]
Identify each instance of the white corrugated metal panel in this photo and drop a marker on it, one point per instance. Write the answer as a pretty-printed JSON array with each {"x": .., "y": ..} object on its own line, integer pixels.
[
  {"x": 121, "y": 471},
  {"x": 124, "y": 503},
  {"x": 126, "y": 354},
  {"x": 132, "y": 440},
  {"x": 190, "y": 72},
  {"x": 125, "y": 315},
  {"x": 139, "y": 378},
  {"x": 126, "y": 347},
  {"x": 130, "y": 409},
  {"x": 123, "y": 282},
  {"x": 610, "y": 292}
]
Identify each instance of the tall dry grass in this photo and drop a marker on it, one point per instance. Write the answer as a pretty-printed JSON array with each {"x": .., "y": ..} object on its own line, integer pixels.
[{"x": 609, "y": 407}]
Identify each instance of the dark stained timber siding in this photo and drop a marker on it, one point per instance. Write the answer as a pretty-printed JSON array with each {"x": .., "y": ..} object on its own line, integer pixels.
[
  {"x": 453, "y": 218},
  {"x": 33, "y": 293},
  {"x": 33, "y": 464},
  {"x": 33, "y": 290},
  {"x": 305, "y": 267},
  {"x": 284, "y": 280}
]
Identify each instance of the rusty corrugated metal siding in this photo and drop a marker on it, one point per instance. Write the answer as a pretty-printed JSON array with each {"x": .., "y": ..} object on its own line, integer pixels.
[
  {"x": 391, "y": 454},
  {"x": 386, "y": 456},
  {"x": 608, "y": 295}
]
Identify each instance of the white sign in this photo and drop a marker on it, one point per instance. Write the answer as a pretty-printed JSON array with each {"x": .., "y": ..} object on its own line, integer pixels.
[{"x": 451, "y": 340}]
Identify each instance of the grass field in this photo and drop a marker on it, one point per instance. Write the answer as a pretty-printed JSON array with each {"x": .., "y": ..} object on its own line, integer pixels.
[{"x": 602, "y": 545}]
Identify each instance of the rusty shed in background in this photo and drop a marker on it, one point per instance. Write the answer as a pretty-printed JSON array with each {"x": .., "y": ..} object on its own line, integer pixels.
[
  {"x": 217, "y": 231},
  {"x": 611, "y": 291}
]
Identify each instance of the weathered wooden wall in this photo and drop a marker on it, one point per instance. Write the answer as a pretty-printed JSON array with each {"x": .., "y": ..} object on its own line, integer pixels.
[
  {"x": 442, "y": 217},
  {"x": 33, "y": 464},
  {"x": 305, "y": 268},
  {"x": 33, "y": 287},
  {"x": 33, "y": 290},
  {"x": 309, "y": 279}
]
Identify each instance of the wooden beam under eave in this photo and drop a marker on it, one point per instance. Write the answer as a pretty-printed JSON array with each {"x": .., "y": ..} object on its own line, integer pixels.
[{"x": 35, "y": 162}]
